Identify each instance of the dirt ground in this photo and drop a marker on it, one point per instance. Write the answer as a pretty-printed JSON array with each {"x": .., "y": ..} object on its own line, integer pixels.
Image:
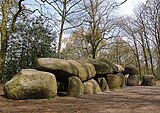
[{"x": 138, "y": 99}]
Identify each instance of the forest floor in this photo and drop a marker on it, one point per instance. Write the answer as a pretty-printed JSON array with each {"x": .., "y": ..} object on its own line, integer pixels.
[{"x": 135, "y": 99}]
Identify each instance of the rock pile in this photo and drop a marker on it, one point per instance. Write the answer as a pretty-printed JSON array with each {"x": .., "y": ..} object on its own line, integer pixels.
[{"x": 75, "y": 77}]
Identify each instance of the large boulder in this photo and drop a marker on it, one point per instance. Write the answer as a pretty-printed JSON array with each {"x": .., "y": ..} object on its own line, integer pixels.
[
  {"x": 148, "y": 80},
  {"x": 101, "y": 67},
  {"x": 30, "y": 84},
  {"x": 131, "y": 70},
  {"x": 103, "y": 84},
  {"x": 114, "y": 81},
  {"x": 75, "y": 87},
  {"x": 91, "y": 87},
  {"x": 132, "y": 80},
  {"x": 123, "y": 79},
  {"x": 86, "y": 70},
  {"x": 62, "y": 69}
]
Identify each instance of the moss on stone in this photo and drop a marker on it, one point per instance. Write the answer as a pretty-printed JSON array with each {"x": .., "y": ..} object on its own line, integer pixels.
[
  {"x": 75, "y": 87},
  {"x": 30, "y": 83},
  {"x": 132, "y": 80},
  {"x": 148, "y": 80},
  {"x": 114, "y": 81},
  {"x": 91, "y": 87}
]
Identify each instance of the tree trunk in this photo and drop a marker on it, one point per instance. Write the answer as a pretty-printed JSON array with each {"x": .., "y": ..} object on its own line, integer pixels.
[
  {"x": 4, "y": 35},
  {"x": 2, "y": 55},
  {"x": 157, "y": 36},
  {"x": 158, "y": 68},
  {"x": 151, "y": 60},
  {"x": 62, "y": 25},
  {"x": 150, "y": 57},
  {"x": 148, "y": 47},
  {"x": 145, "y": 54},
  {"x": 60, "y": 39},
  {"x": 94, "y": 53},
  {"x": 137, "y": 55}
]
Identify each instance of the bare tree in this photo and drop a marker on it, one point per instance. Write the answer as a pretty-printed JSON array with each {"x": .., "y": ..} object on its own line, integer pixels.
[
  {"x": 143, "y": 27},
  {"x": 98, "y": 22},
  {"x": 121, "y": 52},
  {"x": 151, "y": 17},
  {"x": 64, "y": 12},
  {"x": 127, "y": 24},
  {"x": 148, "y": 15}
]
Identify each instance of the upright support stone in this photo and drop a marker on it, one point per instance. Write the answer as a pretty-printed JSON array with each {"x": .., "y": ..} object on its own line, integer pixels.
[
  {"x": 114, "y": 81},
  {"x": 103, "y": 84},
  {"x": 132, "y": 80},
  {"x": 91, "y": 87},
  {"x": 148, "y": 80},
  {"x": 75, "y": 87}
]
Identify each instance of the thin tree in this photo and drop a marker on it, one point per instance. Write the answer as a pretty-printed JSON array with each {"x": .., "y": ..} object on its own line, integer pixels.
[
  {"x": 128, "y": 27},
  {"x": 64, "y": 9},
  {"x": 143, "y": 21}
]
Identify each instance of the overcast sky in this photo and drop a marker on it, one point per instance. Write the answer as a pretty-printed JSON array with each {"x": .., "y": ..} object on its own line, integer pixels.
[{"x": 127, "y": 7}]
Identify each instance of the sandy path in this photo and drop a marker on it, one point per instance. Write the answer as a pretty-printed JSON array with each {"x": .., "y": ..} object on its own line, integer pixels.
[{"x": 138, "y": 99}]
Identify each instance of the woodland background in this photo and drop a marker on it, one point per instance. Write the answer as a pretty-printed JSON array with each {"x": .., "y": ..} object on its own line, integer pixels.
[{"x": 78, "y": 29}]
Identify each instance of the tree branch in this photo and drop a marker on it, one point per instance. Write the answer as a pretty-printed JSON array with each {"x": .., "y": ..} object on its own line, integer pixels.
[
  {"x": 12, "y": 27},
  {"x": 120, "y": 3}
]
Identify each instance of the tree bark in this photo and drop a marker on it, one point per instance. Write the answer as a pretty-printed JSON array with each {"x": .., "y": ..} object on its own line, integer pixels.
[
  {"x": 144, "y": 53},
  {"x": 4, "y": 36},
  {"x": 62, "y": 25},
  {"x": 6, "y": 32},
  {"x": 137, "y": 55},
  {"x": 148, "y": 47}
]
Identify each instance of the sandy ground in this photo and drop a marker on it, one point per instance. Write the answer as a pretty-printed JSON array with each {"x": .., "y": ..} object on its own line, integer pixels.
[{"x": 138, "y": 99}]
